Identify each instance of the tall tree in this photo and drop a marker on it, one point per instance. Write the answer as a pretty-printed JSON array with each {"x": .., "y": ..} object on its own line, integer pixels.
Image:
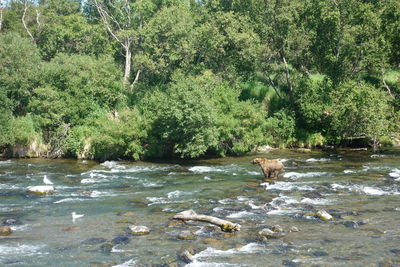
[{"x": 123, "y": 20}]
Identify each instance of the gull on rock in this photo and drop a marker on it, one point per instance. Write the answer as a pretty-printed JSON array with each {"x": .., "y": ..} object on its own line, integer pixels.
[
  {"x": 46, "y": 180},
  {"x": 76, "y": 216}
]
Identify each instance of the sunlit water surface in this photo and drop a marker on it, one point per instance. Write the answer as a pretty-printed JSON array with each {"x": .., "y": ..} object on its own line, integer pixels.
[{"x": 360, "y": 190}]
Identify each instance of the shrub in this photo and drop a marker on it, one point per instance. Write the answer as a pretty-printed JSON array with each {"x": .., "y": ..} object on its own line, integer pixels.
[{"x": 281, "y": 126}]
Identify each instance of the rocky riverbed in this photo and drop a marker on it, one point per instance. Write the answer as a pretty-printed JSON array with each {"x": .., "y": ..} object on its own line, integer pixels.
[{"x": 329, "y": 208}]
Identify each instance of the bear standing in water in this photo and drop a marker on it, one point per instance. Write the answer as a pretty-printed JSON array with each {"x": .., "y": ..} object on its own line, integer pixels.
[{"x": 269, "y": 166}]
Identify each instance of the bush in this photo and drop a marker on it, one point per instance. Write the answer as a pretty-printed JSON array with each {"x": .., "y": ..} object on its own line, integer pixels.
[
  {"x": 201, "y": 115},
  {"x": 360, "y": 111},
  {"x": 110, "y": 136},
  {"x": 308, "y": 139},
  {"x": 281, "y": 126},
  {"x": 23, "y": 130},
  {"x": 73, "y": 87}
]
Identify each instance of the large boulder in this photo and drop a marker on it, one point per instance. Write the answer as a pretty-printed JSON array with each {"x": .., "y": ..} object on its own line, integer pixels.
[{"x": 41, "y": 190}]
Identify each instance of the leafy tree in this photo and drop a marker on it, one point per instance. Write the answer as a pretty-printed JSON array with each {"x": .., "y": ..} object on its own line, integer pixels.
[
  {"x": 20, "y": 65},
  {"x": 360, "y": 111},
  {"x": 72, "y": 34},
  {"x": 313, "y": 103},
  {"x": 73, "y": 87}
]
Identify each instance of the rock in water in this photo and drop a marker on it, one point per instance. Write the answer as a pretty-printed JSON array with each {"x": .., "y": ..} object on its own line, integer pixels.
[
  {"x": 323, "y": 215},
  {"x": 5, "y": 230},
  {"x": 277, "y": 229},
  {"x": 186, "y": 235},
  {"x": 269, "y": 234},
  {"x": 41, "y": 190},
  {"x": 185, "y": 255},
  {"x": 139, "y": 229}
]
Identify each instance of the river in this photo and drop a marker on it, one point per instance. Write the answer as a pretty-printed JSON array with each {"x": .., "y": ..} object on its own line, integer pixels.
[{"x": 360, "y": 190}]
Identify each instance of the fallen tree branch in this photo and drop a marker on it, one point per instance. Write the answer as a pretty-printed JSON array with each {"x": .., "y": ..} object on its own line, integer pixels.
[{"x": 190, "y": 215}]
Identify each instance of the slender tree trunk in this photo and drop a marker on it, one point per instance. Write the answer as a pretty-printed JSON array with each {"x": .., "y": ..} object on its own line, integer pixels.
[
  {"x": 128, "y": 62},
  {"x": 23, "y": 20},
  {"x": 1, "y": 15}
]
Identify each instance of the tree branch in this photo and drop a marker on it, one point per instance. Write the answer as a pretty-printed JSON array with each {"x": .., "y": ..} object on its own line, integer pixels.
[
  {"x": 385, "y": 84},
  {"x": 103, "y": 15},
  {"x": 23, "y": 20},
  {"x": 136, "y": 77}
]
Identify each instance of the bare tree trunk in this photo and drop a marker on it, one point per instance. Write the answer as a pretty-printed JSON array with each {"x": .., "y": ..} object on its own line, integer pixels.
[
  {"x": 385, "y": 84},
  {"x": 190, "y": 215},
  {"x": 23, "y": 20},
  {"x": 128, "y": 60},
  {"x": 287, "y": 74},
  {"x": 136, "y": 77},
  {"x": 1, "y": 15}
]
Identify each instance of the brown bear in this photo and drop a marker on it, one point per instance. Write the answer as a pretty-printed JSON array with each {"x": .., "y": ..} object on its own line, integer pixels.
[{"x": 269, "y": 166}]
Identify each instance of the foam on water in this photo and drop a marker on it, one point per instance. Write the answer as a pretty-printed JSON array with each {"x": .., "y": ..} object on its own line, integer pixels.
[
  {"x": 283, "y": 205},
  {"x": 177, "y": 194},
  {"x": 128, "y": 263},
  {"x": 202, "y": 169},
  {"x": 21, "y": 250},
  {"x": 296, "y": 175},
  {"x": 368, "y": 190},
  {"x": 287, "y": 186},
  {"x": 162, "y": 200},
  {"x": 3, "y": 162},
  {"x": 240, "y": 214},
  {"x": 20, "y": 228},
  {"x": 395, "y": 173},
  {"x": 254, "y": 173},
  {"x": 317, "y": 160},
  {"x": 348, "y": 171},
  {"x": 374, "y": 191},
  {"x": 93, "y": 181},
  {"x": 112, "y": 165},
  {"x": 316, "y": 201},
  {"x": 283, "y": 211},
  {"x": 212, "y": 252},
  {"x": 68, "y": 200}
]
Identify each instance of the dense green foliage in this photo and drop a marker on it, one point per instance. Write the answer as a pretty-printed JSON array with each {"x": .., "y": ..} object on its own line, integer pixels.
[{"x": 183, "y": 78}]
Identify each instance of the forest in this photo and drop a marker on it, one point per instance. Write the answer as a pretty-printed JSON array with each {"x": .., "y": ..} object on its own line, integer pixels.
[{"x": 145, "y": 79}]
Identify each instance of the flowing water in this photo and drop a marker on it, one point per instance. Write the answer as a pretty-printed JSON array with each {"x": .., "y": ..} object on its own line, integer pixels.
[{"x": 361, "y": 191}]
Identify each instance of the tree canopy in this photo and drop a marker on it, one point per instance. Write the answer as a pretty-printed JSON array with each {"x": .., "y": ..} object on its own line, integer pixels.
[{"x": 140, "y": 79}]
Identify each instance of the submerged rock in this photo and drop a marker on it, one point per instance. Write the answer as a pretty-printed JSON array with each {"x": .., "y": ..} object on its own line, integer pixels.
[
  {"x": 323, "y": 215},
  {"x": 139, "y": 230},
  {"x": 294, "y": 229},
  {"x": 106, "y": 247},
  {"x": 5, "y": 230},
  {"x": 277, "y": 228},
  {"x": 11, "y": 221},
  {"x": 269, "y": 234},
  {"x": 186, "y": 235},
  {"x": 120, "y": 240},
  {"x": 186, "y": 255},
  {"x": 41, "y": 189},
  {"x": 94, "y": 241}
]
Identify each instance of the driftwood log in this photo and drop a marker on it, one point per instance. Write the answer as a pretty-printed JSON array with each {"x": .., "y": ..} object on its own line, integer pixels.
[{"x": 190, "y": 215}]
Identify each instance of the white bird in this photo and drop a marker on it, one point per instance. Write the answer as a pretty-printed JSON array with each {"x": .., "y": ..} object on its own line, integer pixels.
[
  {"x": 46, "y": 180},
  {"x": 76, "y": 216}
]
